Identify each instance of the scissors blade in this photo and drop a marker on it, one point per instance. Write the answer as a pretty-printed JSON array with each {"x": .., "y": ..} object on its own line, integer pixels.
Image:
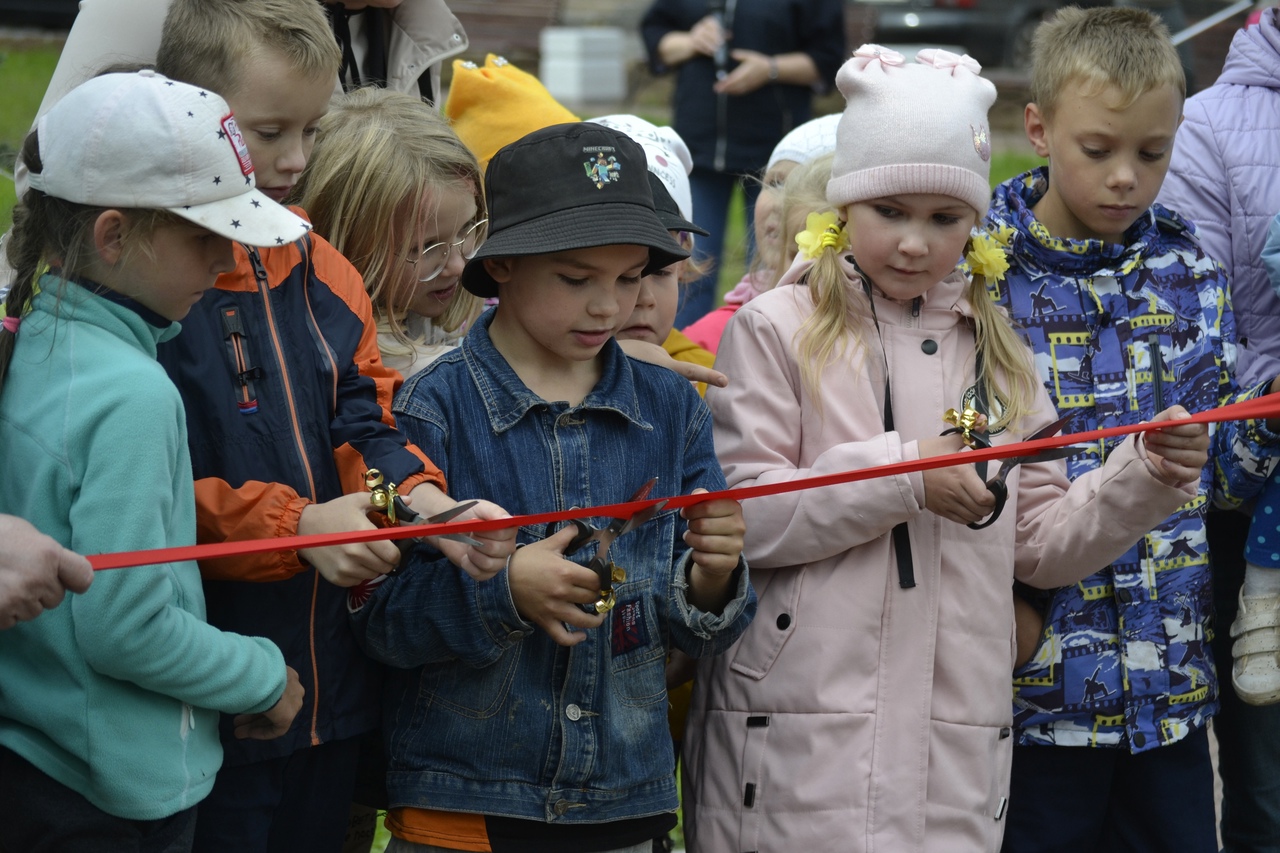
[
  {"x": 411, "y": 517},
  {"x": 1051, "y": 429},
  {"x": 1043, "y": 456},
  {"x": 1044, "y": 432},
  {"x": 619, "y": 526}
]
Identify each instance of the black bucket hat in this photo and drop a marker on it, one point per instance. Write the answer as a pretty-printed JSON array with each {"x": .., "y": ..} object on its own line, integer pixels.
[
  {"x": 667, "y": 209},
  {"x": 569, "y": 186}
]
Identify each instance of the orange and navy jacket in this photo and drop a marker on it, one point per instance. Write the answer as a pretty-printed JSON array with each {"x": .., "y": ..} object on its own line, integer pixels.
[{"x": 288, "y": 403}]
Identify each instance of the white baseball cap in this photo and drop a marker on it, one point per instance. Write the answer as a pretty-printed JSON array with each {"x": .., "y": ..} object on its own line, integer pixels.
[
  {"x": 667, "y": 155},
  {"x": 143, "y": 141}
]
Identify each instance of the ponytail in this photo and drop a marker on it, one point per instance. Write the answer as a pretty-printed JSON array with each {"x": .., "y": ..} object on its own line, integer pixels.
[
  {"x": 823, "y": 336},
  {"x": 1009, "y": 374}
]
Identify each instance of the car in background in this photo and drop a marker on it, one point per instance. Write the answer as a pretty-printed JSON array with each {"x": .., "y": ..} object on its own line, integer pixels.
[
  {"x": 53, "y": 14},
  {"x": 997, "y": 33}
]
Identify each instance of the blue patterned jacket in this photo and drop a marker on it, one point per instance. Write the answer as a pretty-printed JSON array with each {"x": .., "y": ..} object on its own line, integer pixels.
[{"x": 1121, "y": 332}]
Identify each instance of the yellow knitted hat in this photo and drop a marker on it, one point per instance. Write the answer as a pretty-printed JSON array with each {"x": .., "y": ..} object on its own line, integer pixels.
[{"x": 498, "y": 104}]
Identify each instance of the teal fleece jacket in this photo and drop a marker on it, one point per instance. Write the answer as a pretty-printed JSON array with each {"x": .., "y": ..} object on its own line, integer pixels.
[{"x": 115, "y": 693}]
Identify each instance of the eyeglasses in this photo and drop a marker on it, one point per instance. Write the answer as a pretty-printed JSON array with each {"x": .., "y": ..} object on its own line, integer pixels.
[{"x": 432, "y": 260}]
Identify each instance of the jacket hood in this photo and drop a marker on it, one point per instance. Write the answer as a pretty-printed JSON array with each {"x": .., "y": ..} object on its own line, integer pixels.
[
  {"x": 1254, "y": 58},
  {"x": 1035, "y": 250}
]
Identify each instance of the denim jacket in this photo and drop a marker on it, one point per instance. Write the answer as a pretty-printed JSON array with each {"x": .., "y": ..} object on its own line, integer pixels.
[{"x": 485, "y": 713}]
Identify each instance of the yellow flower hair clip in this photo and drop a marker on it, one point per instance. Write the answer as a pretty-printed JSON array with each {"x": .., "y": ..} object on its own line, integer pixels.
[
  {"x": 987, "y": 257},
  {"x": 821, "y": 231}
]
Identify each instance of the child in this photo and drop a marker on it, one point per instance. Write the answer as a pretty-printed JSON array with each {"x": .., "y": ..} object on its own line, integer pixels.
[
  {"x": 396, "y": 192},
  {"x": 1127, "y": 315},
  {"x": 517, "y": 720},
  {"x": 108, "y": 735},
  {"x": 798, "y": 148},
  {"x": 288, "y": 405},
  {"x": 866, "y": 707}
]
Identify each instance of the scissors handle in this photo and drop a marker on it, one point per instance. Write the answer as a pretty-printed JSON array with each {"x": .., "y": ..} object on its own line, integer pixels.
[{"x": 998, "y": 488}]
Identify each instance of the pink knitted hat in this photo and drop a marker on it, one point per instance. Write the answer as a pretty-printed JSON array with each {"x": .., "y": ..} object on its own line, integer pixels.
[{"x": 917, "y": 127}]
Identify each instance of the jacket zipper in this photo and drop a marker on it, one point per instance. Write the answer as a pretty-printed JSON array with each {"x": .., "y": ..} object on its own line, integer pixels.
[
  {"x": 260, "y": 275},
  {"x": 722, "y": 100}
]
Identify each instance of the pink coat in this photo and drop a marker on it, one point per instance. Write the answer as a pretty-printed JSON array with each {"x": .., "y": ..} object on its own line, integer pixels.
[{"x": 855, "y": 715}]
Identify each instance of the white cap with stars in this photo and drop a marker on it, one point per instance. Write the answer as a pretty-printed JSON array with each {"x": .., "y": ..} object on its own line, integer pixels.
[{"x": 144, "y": 141}]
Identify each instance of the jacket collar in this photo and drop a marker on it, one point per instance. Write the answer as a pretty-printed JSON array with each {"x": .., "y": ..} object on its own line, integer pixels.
[
  {"x": 1034, "y": 249},
  {"x": 89, "y": 302},
  {"x": 507, "y": 399}
]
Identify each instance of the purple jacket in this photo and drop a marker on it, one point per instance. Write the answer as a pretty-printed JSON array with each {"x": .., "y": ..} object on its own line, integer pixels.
[{"x": 1225, "y": 175}]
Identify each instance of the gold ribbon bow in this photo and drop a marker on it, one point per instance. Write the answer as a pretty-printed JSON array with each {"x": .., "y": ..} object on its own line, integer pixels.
[
  {"x": 382, "y": 495},
  {"x": 968, "y": 421}
]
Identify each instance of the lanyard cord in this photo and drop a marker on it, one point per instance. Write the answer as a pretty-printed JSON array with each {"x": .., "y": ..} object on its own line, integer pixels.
[{"x": 901, "y": 535}]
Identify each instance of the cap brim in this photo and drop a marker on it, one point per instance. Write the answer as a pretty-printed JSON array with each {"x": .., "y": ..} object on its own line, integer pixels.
[
  {"x": 251, "y": 218},
  {"x": 608, "y": 224}
]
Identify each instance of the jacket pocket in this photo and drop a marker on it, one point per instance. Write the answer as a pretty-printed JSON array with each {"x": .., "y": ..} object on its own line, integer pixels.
[
  {"x": 779, "y": 602},
  {"x": 468, "y": 691},
  {"x": 636, "y": 645}
]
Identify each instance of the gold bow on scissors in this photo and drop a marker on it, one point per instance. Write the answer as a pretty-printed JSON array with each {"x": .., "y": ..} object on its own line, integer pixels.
[{"x": 967, "y": 422}]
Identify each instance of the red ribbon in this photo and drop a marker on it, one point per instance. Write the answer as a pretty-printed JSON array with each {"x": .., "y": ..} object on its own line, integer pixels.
[{"x": 1256, "y": 409}]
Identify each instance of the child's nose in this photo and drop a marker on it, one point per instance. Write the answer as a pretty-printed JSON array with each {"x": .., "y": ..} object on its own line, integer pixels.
[
  {"x": 645, "y": 298},
  {"x": 912, "y": 243},
  {"x": 293, "y": 158},
  {"x": 1124, "y": 175}
]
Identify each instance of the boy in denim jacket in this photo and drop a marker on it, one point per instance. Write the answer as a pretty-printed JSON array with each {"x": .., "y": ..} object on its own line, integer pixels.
[{"x": 516, "y": 718}]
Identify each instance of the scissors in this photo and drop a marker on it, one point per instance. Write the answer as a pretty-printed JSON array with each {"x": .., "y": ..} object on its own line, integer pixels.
[
  {"x": 383, "y": 496},
  {"x": 996, "y": 485},
  {"x": 606, "y": 572}
]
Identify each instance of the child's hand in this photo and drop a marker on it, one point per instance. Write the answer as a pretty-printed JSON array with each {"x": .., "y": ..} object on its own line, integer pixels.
[
  {"x": 1178, "y": 452},
  {"x": 547, "y": 589},
  {"x": 654, "y": 354},
  {"x": 276, "y": 720},
  {"x": 955, "y": 493},
  {"x": 490, "y": 557},
  {"x": 346, "y": 565},
  {"x": 715, "y": 534}
]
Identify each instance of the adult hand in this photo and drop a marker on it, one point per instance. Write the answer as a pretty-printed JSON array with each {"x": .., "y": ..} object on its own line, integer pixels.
[
  {"x": 35, "y": 572},
  {"x": 707, "y": 36},
  {"x": 752, "y": 73}
]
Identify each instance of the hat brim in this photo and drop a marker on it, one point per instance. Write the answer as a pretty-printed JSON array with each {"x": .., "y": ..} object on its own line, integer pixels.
[
  {"x": 585, "y": 227},
  {"x": 676, "y": 222},
  {"x": 252, "y": 218}
]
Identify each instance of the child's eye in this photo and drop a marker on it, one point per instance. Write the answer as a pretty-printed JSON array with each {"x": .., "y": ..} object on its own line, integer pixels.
[
  {"x": 886, "y": 212},
  {"x": 573, "y": 282},
  {"x": 945, "y": 218},
  {"x": 1153, "y": 156},
  {"x": 629, "y": 279},
  {"x": 311, "y": 131},
  {"x": 268, "y": 135},
  {"x": 1094, "y": 153}
]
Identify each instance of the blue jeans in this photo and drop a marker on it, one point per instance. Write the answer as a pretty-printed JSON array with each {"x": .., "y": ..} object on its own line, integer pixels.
[
  {"x": 1248, "y": 735},
  {"x": 1078, "y": 799},
  {"x": 712, "y": 192},
  {"x": 41, "y": 815}
]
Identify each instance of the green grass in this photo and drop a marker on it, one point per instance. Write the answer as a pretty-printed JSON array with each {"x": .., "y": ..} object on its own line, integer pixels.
[{"x": 25, "y": 69}]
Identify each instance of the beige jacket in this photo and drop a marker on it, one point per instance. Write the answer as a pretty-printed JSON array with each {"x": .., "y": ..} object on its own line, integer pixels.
[{"x": 855, "y": 715}]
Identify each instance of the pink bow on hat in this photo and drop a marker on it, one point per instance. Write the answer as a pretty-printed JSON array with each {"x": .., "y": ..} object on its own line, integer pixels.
[
  {"x": 944, "y": 59},
  {"x": 868, "y": 53}
]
